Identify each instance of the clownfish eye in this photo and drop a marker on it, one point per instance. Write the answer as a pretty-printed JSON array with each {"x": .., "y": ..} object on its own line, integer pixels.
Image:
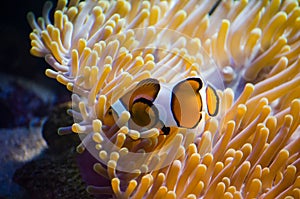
[
  {"x": 108, "y": 118},
  {"x": 166, "y": 130}
]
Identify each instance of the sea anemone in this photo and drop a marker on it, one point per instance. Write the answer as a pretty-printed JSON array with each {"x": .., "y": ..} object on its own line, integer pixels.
[{"x": 249, "y": 51}]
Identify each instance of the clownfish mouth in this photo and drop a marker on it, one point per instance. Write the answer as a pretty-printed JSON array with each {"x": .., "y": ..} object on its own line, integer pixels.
[{"x": 153, "y": 104}]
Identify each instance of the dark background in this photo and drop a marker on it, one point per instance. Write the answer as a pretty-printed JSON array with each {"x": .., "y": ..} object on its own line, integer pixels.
[
  {"x": 15, "y": 43},
  {"x": 19, "y": 105},
  {"x": 17, "y": 63},
  {"x": 15, "y": 58}
]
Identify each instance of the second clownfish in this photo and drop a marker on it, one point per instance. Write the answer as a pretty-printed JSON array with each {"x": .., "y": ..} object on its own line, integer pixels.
[{"x": 152, "y": 104}]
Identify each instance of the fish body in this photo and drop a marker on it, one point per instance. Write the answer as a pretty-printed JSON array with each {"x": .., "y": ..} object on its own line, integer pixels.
[{"x": 153, "y": 104}]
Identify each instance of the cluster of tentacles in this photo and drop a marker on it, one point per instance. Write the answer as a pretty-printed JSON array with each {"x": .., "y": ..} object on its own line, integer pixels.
[{"x": 101, "y": 49}]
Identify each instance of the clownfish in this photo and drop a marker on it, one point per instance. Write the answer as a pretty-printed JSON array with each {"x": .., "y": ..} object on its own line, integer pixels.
[{"x": 153, "y": 104}]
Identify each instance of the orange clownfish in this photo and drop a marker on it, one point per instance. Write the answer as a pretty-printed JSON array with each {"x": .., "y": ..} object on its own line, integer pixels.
[{"x": 152, "y": 104}]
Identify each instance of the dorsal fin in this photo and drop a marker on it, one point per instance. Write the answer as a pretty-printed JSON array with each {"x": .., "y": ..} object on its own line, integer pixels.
[
  {"x": 186, "y": 102},
  {"x": 147, "y": 89}
]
